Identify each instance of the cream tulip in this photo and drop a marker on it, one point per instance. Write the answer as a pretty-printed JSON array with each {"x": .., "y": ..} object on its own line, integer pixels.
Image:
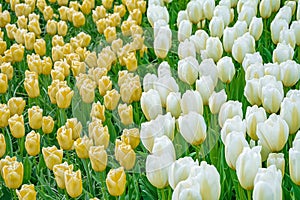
[
  {"x": 256, "y": 27},
  {"x": 214, "y": 49},
  {"x": 151, "y": 104},
  {"x": 188, "y": 69},
  {"x": 226, "y": 69},
  {"x": 216, "y": 27},
  {"x": 290, "y": 112},
  {"x": 290, "y": 73},
  {"x": 233, "y": 124},
  {"x": 287, "y": 36},
  {"x": 276, "y": 26},
  {"x": 228, "y": 110},
  {"x": 251, "y": 58},
  {"x": 191, "y": 101},
  {"x": 173, "y": 104},
  {"x": 164, "y": 86},
  {"x": 265, "y": 8},
  {"x": 277, "y": 159},
  {"x": 216, "y": 100},
  {"x": 254, "y": 115},
  {"x": 294, "y": 162},
  {"x": 187, "y": 189},
  {"x": 195, "y": 11},
  {"x": 162, "y": 43},
  {"x": 156, "y": 12},
  {"x": 184, "y": 30},
  {"x": 229, "y": 36},
  {"x": 243, "y": 45},
  {"x": 283, "y": 52},
  {"x": 208, "y": 68},
  {"x": 199, "y": 40},
  {"x": 205, "y": 86},
  {"x": 186, "y": 49}
]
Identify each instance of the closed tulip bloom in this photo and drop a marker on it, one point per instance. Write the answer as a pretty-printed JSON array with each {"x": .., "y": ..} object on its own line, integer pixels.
[
  {"x": 180, "y": 170},
  {"x": 13, "y": 175},
  {"x": 151, "y": 104},
  {"x": 19, "y": 35},
  {"x": 29, "y": 39},
  {"x": 116, "y": 181},
  {"x": 126, "y": 114},
  {"x": 51, "y": 27},
  {"x": 16, "y": 126},
  {"x": 216, "y": 27},
  {"x": 273, "y": 140},
  {"x": 76, "y": 127},
  {"x": 59, "y": 171},
  {"x": 267, "y": 184},
  {"x": 111, "y": 99},
  {"x": 195, "y": 11},
  {"x": 52, "y": 156},
  {"x": 273, "y": 69},
  {"x": 205, "y": 86},
  {"x": 32, "y": 143},
  {"x": 214, "y": 49},
  {"x": 26, "y": 192},
  {"x": 35, "y": 114},
  {"x": 87, "y": 93},
  {"x": 229, "y": 36},
  {"x": 124, "y": 154},
  {"x": 184, "y": 30},
  {"x": 283, "y": 52},
  {"x": 2, "y": 145},
  {"x": 64, "y": 97},
  {"x": 187, "y": 189},
  {"x": 265, "y": 8},
  {"x": 73, "y": 183},
  {"x": 192, "y": 127},
  {"x": 17, "y": 52},
  {"x": 226, "y": 69},
  {"x": 216, "y": 100},
  {"x": 98, "y": 111},
  {"x": 104, "y": 85},
  {"x": 82, "y": 147},
  {"x": 276, "y": 26},
  {"x": 247, "y": 165},
  {"x": 186, "y": 49},
  {"x": 251, "y": 91},
  {"x": 173, "y": 104},
  {"x": 234, "y": 145},
  {"x": 99, "y": 135},
  {"x": 16, "y": 105},
  {"x": 285, "y": 13},
  {"x": 271, "y": 96},
  {"x": 256, "y": 27},
  {"x": 34, "y": 26},
  {"x": 247, "y": 13},
  {"x": 131, "y": 137},
  {"x": 182, "y": 15},
  {"x": 40, "y": 47},
  {"x": 228, "y": 110},
  {"x": 188, "y": 70},
  {"x": 223, "y": 12},
  {"x": 243, "y": 45},
  {"x": 64, "y": 138},
  {"x": 254, "y": 71},
  {"x": 277, "y": 159},
  {"x": 191, "y": 101},
  {"x": 294, "y": 163},
  {"x": 3, "y": 83},
  {"x": 233, "y": 124},
  {"x": 287, "y": 36},
  {"x": 78, "y": 19},
  {"x": 295, "y": 26},
  {"x": 289, "y": 73},
  {"x": 254, "y": 115},
  {"x": 208, "y": 9},
  {"x": 162, "y": 43},
  {"x": 98, "y": 158},
  {"x": 159, "y": 162},
  {"x": 62, "y": 28},
  {"x": 199, "y": 40},
  {"x": 47, "y": 124},
  {"x": 290, "y": 112}
]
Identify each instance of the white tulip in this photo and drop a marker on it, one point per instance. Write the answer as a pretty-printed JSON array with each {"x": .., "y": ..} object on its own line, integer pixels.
[
  {"x": 254, "y": 115},
  {"x": 241, "y": 28},
  {"x": 273, "y": 133},
  {"x": 294, "y": 95},
  {"x": 180, "y": 170},
  {"x": 265, "y": 8},
  {"x": 243, "y": 45},
  {"x": 216, "y": 27},
  {"x": 214, "y": 49},
  {"x": 158, "y": 163},
  {"x": 186, "y": 49},
  {"x": 173, "y": 104},
  {"x": 290, "y": 112},
  {"x": 285, "y": 13},
  {"x": 235, "y": 143},
  {"x": 276, "y": 26},
  {"x": 277, "y": 159},
  {"x": 236, "y": 124},
  {"x": 251, "y": 59},
  {"x": 295, "y": 26},
  {"x": 157, "y": 25},
  {"x": 273, "y": 69},
  {"x": 156, "y": 12},
  {"x": 247, "y": 13},
  {"x": 294, "y": 162},
  {"x": 195, "y": 11},
  {"x": 164, "y": 70},
  {"x": 187, "y": 189},
  {"x": 224, "y": 13},
  {"x": 256, "y": 27},
  {"x": 229, "y": 110},
  {"x": 216, "y": 100},
  {"x": 290, "y": 72},
  {"x": 226, "y": 69},
  {"x": 184, "y": 30},
  {"x": 192, "y": 128},
  {"x": 162, "y": 43},
  {"x": 148, "y": 81},
  {"x": 151, "y": 104},
  {"x": 287, "y": 36},
  {"x": 188, "y": 69},
  {"x": 208, "y": 68},
  {"x": 247, "y": 165},
  {"x": 155, "y": 2},
  {"x": 182, "y": 15},
  {"x": 255, "y": 70},
  {"x": 251, "y": 91},
  {"x": 229, "y": 36},
  {"x": 199, "y": 40},
  {"x": 164, "y": 86},
  {"x": 191, "y": 101},
  {"x": 267, "y": 184},
  {"x": 275, "y": 5},
  {"x": 205, "y": 86},
  {"x": 208, "y": 8}
]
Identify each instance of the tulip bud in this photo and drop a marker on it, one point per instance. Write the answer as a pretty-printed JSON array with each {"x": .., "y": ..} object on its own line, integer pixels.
[
  {"x": 126, "y": 114},
  {"x": 180, "y": 170},
  {"x": 51, "y": 27},
  {"x": 173, "y": 104},
  {"x": 184, "y": 30},
  {"x": 213, "y": 49},
  {"x": 98, "y": 111},
  {"x": 247, "y": 165},
  {"x": 3, "y": 83},
  {"x": 277, "y": 159},
  {"x": 16, "y": 126},
  {"x": 226, "y": 69},
  {"x": 229, "y": 110},
  {"x": 251, "y": 91},
  {"x": 116, "y": 181},
  {"x": 125, "y": 155},
  {"x": 2, "y": 145},
  {"x": 32, "y": 143},
  {"x": 191, "y": 101},
  {"x": 59, "y": 171},
  {"x": 254, "y": 115},
  {"x": 73, "y": 183},
  {"x": 216, "y": 27},
  {"x": 111, "y": 99},
  {"x": 192, "y": 121},
  {"x": 35, "y": 114},
  {"x": 151, "y": 104},
  {"x": 27, "y": 192},
  {"x": 131, "y": 137},
  {"x": 233, "y": 124},
  {"x": 13, "y": 174},
  {"x": 52, "y": 156},
  {"x": 65, "y": 138},
  {"x": 289, "y": 73},
  {"x": 195, "y": 11},
  {"x": 29, "y": 39},
  {"x": 162, "y": 42},
  {"x": 40, "y": 47}
]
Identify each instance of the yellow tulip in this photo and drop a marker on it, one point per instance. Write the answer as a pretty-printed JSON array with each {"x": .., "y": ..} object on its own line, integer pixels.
[
  {"x": 62, "y": 28},
  {"x": 57, "y": 53},
  {"x": 57, "y": 74},
  {"x": 107, "y": 4},
  {"x": 98, "y": 111},
  {"x": 142, "y": 6},
  {"x": 101, "y": 25},
  {"x": 75, "y": 5},
  {"x": 78, "y": 19},
  {"x": 114, "y": 19},
  {"x": 111, "y": 99},
  {"x": 52, "y": 156},
  {"x": 10, "y": 30},
  {"x": 48, "y": 13},
  {"x": 6, "y": 68},
  {"x": 4, "y": 115},
  {"x": 104, "y": 85},
  {"x": 86, "y": 7},
  {"x": 82, "y": 146},
  {"x": 136, "y": 15},
  {"x": 110, "y": 34},
  {"x": 63, "y": 11},
  {"x": 126, "y": 114},
  {"x": 77, "y": 67},
  {"x": 62, "y": 2},
  {"x": 16, "y": 105},
  {"x": 27, "y": 192},
  {"x": 59, "y": 173},
  {"x": 124, "y": 154},
  {"x": 125, "y": 27},
  {"x": 116, "y": 181},
  {"x": 51, "y": 27},
  {"x": 47, "y": 65},
  {"x": 131, "y": 137},
  {"x": 64, "y": 96},
  {"x": 13, "y": 174},
  {"x": 17, "y": 52},
  {"x": 40, "y": 47},
  {"x": 57, "y": 41},
  {"x": 99, "y": 13},
  {"x": 3, "y": 83},
  {"x": 6, "y": 161},
  {"x": 99, "y": 134},
  {"x": 35, "y": 115},
  {"x": 34, "y": 26},
  {"x": 73, "y": 182},
  {"x": 32, "y": 143},
  {"x": 98, "y": 158},
  {"x": 131, "y": 62},
  {"x": 64, "y": 138},
  {"x": 2, "y": 145},
  {"x": 5, "y": 19},
  {"x": 62, "y": 66},
  {"x": 16, "y": 126},
  {"x": 47, "y": 124},
  {"x": 76, "y": 127},
  {"x": 120, "y": 9},
  {"x": 3, "y": 46}
]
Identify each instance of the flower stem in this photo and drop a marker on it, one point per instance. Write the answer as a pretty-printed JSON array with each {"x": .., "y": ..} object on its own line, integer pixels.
[
  {"x": 249, "y": 194},
  {"x": 85, "y": 165}
]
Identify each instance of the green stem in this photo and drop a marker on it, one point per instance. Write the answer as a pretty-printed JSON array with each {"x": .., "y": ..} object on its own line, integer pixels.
[
  {"x": 249, "y": 194},
  {"x": 169, "y": 193},
  {"x": 62, "y": 117},
  {"x": 85, "y": 165},
  {"x": 21, "y": 145},
  {"x": 102, "y": 180},
  {"x": 163, "y": 195},
  {"x": 13, "y": 192},
  {"x": 8, "y": 141}
]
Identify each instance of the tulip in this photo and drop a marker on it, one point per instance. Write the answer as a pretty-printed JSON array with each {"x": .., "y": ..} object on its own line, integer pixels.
[
  {"x": 124, "y": 154},
  {"x": 216, "y": 27},
  {"x": 59, "y": 171},
  {"x": 164, "y": 70},
  {"x": 294, "y": 161},
  {"x": 226, "y": 69},
  {"x": 62, "y": 28},
  {"x": 110, "y": 34},
  {"x": 98, "y": 111},
  {"x": 76, "y": 127},
  {"x": 276, "y": 26},
  {"x": 32, "y": 143},
  {"x": 180, "y": 170},
  {"x": 199, "y": 40},
  {"x": 267, "y": 184},
  {"x": 251, "y": 91},
  {"x": 229, "y": 36},
  {"x": 2, "y": 145},
  {"x": 111, "y": 99},
  {"x": 27, "y": 192},
  {"x": 131, "y": 137},
  {"x": 16, "y": 126},
  {"x": 256, "y": 28},
  {"x": 285, "y": 13},
  {"x": 192, "y": 127},
  {"x": 243, "y": 45},
  {"x": 213, "y": 49},
  {"x": 234, "y": 145},
  {"x": 224, "y": 13},
  {"x": 254, "y": 115},
  {"x": 87, "y": 93},
  {"x": 35, "y": 114},
  {"x": 3, "y": 83},
  {"x": 273, "y": 140},
  {"x": 47, "y": 124},
  {"x": 290, "y": 112},
  {"x": 82, "y": 146},
  {"x": 52, "y": 156},
  {"x": 116, "y": 181},
  {"x": 151, "y": 104},
  {"x": 265, "y": 8},
  {"x": 195, "y": 11},
  {"x": 235, "y": 123},
  {"x": 78, "y": 19},
  {"x": 188, "y": 70},
  {"x": 6, "y": 161},
  {"x": 273, "y": 69},
  {"x": 254, "y": 71},
  {"x": 126, "y": 114},
  {"x": 287, "y": 36},
  {"x": 191, "y": 101},
  {"x": 182, "y": 15},
  {"x": 173, "y": 104},
  {"x": 73, "y": 183},
  {"x": 208, "y": 8},
  {"x": 64, "y": 96},
  {"x": 205, "y": 86},
  {"x": 247, "y": 13},
  {"x": 11, "y": 29},
  {"x": 13, "y": 174},
  {"x": 229, "y": 110},
  {"x": 216, "y": 100},
  {"x": 99, "y": 135},
  {"x": 187, "y": 189},
  {"x": 131, "y": 91},
  {"x": 159, "y": 162},
  {"x": 283, "y": 52},
  {"x": 277, "y": 159},
  {"x": 289, "y": 73},
  {"x": 65, "y": 138},
  {"x": 162, "y": 43},
  {"x": 40, "y": 47},
  {"x": 29, "y": 39},
  {"x": 247, "y": 165},
  {"x": 98, "y": 158},
  {"x": 184, "y": 30},
  {"x": 186, "y": 49}
]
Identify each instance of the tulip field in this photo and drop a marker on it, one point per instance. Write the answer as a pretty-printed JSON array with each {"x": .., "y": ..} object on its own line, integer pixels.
[{"x": 156, "y": 99}]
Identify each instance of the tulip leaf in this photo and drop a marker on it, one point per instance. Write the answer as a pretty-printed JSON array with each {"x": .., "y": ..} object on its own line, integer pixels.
[{"x": 27, "y": 170}]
